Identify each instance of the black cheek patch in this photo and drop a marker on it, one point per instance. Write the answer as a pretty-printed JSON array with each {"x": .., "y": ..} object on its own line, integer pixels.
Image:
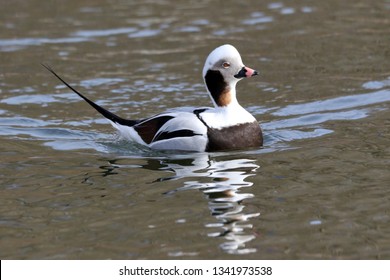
[{"x": 216, "y": 84}]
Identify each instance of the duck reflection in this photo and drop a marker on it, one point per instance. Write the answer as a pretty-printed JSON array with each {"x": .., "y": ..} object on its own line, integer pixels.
[{"x": 224, "y": 192}]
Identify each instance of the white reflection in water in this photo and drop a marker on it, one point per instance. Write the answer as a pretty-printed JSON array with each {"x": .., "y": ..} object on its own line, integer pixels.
[{"x": 223, "y": 191}]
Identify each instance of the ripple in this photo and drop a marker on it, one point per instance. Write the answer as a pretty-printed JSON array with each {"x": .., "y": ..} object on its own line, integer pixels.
[
  {"x": 307, "y": 9},
  {"x": 201, "y": 22},
  {"x": 232, "y": 30},
  {"x": 258, "y": 20},
  {"x": 275, "y": 5},
  {"x": 15, "y": 44},
  {"x": 72, "y": 145},
  {"x": 287, "y": 11},
  {"x": 100, "y": 81},
  {"x": 182, "y": 254},
  {"x": 312, "y": 119},
  {"x": 377, "y": 84},
  {"x": 279, "y": 6},
  {"x": 37, "y": 98},
  {"x": 9, "y": 45},
  {"x": 145, "y": 33},
  {"x": 338, "y": 103},
  {"x": 287, "y": 135},
  {"x": 307, "y": 118},
  {"x": 315, "y": 222},
  {"x": 104, "y": 32},
  {"x": 54, "y": 136},
  {"x": 22, "y": 122},
  {"x": 189, "y": 29}
]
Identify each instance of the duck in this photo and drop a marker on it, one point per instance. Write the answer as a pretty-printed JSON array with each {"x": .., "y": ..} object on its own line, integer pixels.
[{"x": 226, "y": 126}]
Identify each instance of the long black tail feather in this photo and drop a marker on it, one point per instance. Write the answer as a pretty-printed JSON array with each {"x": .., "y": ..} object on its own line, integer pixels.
[{"x": 107, "y": 114}]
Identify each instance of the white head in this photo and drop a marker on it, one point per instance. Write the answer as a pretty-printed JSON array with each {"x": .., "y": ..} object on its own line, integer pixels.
[{"x": 221, "y": 72}]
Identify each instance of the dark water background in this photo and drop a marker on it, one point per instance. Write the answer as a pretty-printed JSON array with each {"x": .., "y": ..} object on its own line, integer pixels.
[{"x": 319, "y": 189}]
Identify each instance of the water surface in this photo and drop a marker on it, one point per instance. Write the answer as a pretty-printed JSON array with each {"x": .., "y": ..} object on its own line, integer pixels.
[{"x": 318, "y": 189}]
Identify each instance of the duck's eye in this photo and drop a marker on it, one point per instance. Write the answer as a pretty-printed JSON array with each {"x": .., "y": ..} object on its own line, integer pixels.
[{"x": 226, "y": 65}]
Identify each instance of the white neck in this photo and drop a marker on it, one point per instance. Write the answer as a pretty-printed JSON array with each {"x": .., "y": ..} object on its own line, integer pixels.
[{"x": 229, "y": 115}]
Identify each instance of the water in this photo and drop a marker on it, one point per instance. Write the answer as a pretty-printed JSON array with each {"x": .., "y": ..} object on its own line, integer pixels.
[{"x": 318, "y": 189}]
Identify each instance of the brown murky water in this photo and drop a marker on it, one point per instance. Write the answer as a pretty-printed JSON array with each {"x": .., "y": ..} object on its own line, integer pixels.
[{"x": 319, "y": 189}]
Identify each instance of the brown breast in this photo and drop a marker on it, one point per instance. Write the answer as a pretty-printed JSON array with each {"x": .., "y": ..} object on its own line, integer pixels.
[{"x": 247, "y": 135}]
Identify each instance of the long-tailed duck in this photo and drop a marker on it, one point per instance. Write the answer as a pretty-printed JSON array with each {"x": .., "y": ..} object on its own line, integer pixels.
[{"x": 227, "y": 126}]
